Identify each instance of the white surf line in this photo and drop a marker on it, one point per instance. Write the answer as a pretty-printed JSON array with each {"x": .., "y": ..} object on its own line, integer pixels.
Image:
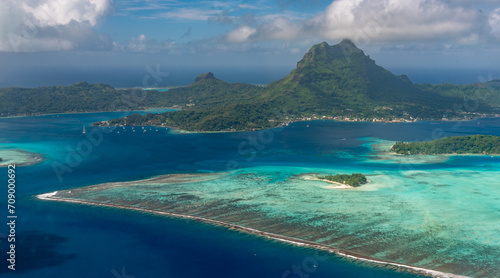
[
  {"x": 46, "y": 196},
  {"x": 298, "y": 242}
]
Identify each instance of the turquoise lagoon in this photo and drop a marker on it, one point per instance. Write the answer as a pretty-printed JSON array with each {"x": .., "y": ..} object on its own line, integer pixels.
[
  {"x": 439, "y": 213},
  {"x": 446, "y": 219}
]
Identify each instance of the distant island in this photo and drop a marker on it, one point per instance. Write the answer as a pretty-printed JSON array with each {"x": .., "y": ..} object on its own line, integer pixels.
[
  {"x": 354, "y": 180},
  {"x": 334, "y": 82},
  {"x": 473, "y": 144}
]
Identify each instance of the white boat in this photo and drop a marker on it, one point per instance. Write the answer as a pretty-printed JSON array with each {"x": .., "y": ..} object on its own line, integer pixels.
[{"x": 83, "y": 129}]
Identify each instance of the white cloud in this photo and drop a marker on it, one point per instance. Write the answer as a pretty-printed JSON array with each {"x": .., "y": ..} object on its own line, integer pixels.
[
  {"x": 215, "y": 11},
  {"x": 45, "y": 25},
  {"x": 141, "y": 44},
  {"x": 241, "y": 34},
  {"x": 281, "y": 29},
  {"x": 380, "y": 20},
  {"x": 138, "y": 44},
  {"x": 391, "y": 20},
  {"x": 248, "y": 7},
  {"x": 494, "y": 22},
  {"x": 188, "y": 14},
  {"x": 58, "y": 12},
  {"x": 129, "y": 6}
]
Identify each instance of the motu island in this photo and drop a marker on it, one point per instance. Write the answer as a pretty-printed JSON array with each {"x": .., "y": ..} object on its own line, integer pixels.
[
  {"x": 473, "y": 144},
  {"x": 353, "y": 180}
]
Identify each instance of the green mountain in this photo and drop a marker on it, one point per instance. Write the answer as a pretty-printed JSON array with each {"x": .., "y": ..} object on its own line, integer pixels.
[
  {"x": 341, "y": 79},
  {"x": 208, "y": 104},
  {"x": 484, "y": 95},
  {"x": 205, "y": 92}
]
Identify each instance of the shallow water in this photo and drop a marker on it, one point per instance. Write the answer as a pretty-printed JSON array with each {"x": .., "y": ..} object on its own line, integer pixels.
[
  {"x": 445, "y": 219},
  {"x": 437, "y": 214},
  {"x": 12, "y": 156}
]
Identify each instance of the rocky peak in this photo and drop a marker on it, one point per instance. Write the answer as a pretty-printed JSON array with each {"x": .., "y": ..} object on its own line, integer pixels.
[{"x": 204, "y": 76}]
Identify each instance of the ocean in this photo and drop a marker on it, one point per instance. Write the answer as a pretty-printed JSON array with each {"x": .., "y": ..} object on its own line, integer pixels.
[{"x": 57, "y": 239}]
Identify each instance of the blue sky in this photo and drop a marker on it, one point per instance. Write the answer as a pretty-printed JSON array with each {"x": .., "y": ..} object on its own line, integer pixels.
[{"x": 38, "y": 37}]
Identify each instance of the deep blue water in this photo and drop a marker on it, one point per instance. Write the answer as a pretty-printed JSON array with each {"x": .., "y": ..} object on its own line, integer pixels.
[{"x": 67, "y": 240}]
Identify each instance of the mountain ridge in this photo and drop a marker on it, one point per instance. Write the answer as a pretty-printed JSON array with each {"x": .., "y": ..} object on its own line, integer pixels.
[{"x": 331, "y": 79}]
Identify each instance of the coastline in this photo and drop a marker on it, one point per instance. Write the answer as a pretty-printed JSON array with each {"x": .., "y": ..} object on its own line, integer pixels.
[
  {"x": 294, "y": 241},
  {"x": 339, "y": 185},
  {"x": 182, "y": 131},
  {"x": 445, "y": 154}
]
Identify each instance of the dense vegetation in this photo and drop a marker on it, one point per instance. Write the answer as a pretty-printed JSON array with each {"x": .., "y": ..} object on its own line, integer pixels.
[
  {"x": 484, "y": 95},
  {"x": 473, "y": 144},
  {"x": 342, "y": 80},
  {"x": 79, "y": 97},
  {"x": 225, "y": 118},
  {"x": 205, "y": 93},
  {"x": 85, "y": 97},
  {"x": 330, "y": 81},
  {"x": 354, "y": 180}
]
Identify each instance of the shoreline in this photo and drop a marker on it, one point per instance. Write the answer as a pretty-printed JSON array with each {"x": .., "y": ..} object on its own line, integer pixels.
[
  {"x": 294, "y": 241},
  {"x": 339, "y": 185},
  {"x": 182, "y": 131},
  {"x": 444, "y": 154},
  {"x": 390, "y": 152}
]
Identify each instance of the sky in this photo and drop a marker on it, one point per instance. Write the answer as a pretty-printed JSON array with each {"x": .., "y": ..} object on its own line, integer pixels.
[{"x": 51, "y": 42}]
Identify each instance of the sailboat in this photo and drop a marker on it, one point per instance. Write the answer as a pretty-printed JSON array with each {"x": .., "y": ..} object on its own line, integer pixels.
[{"x": 83, "y": 129}]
